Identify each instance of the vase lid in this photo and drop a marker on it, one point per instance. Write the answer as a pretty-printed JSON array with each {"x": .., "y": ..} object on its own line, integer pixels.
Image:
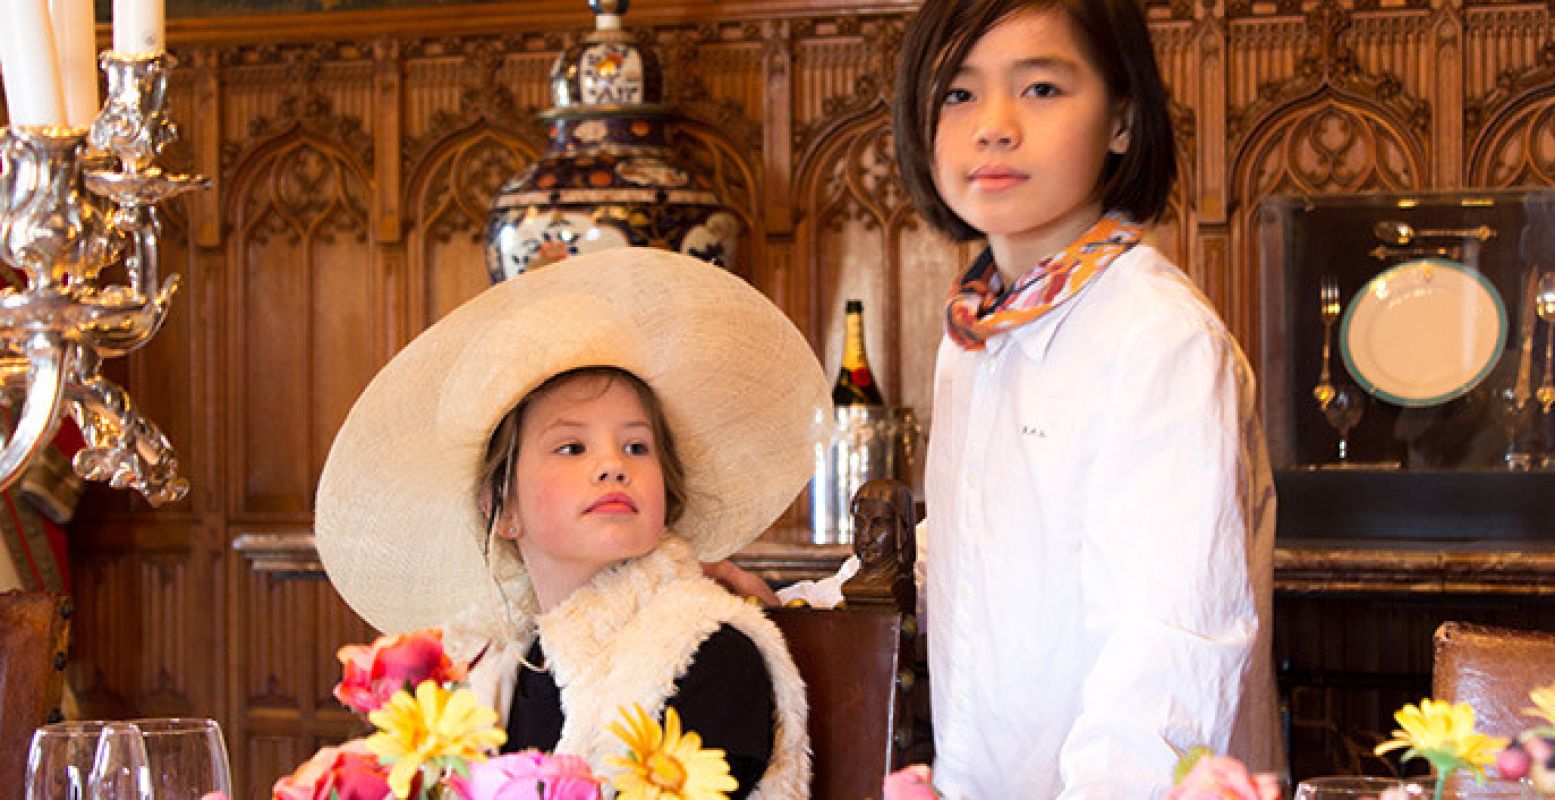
[{"x": 606, "y": 73}]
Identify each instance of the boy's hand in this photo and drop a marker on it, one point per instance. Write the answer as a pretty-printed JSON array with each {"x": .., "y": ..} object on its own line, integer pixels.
[{"x": 742, "y": 583}]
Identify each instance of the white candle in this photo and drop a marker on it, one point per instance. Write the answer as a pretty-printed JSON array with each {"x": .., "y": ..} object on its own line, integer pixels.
[
  {"x": 75, "y": 34},
  {"x": 31, "y": 65},
  {"x": 137, "y": 27}
]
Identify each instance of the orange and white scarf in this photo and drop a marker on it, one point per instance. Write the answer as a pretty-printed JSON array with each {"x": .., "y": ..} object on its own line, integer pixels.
[{"x": 979, "y": 308}]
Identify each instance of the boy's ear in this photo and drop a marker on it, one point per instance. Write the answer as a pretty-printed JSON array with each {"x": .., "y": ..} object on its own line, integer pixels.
[{"x": 1122, "y": 123}]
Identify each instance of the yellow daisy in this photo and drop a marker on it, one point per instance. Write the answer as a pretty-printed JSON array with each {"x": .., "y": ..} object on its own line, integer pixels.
[
  {"x": 1440, "y": 728},
  {"x": 1544, "y": 701},
  {"x": 664, "y": 764},
  {"x": 436, "y": 723},
  {"x": 1443, "y": 734}
]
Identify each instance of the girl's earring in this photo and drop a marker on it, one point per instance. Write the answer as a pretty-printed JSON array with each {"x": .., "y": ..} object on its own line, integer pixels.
[{"x": 1120, "y": 141}]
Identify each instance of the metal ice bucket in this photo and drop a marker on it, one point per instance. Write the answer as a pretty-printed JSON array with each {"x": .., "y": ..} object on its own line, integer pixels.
[{"x": 868, "y": 442}]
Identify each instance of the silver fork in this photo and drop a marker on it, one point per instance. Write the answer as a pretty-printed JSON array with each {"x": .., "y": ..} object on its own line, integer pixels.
[{"x": 1328, "y": 311}]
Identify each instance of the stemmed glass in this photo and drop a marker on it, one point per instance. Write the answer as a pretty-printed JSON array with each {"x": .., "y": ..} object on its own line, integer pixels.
[
  {"x": 1360, "y": 788},
  {"x": 1343, "y": 412},
  {"x": 1513, "y": 412},
  {"x": 59, "y": 760},
  {"x": 188, "y": 758},
  {"x": 119, "y": 767},
  {"x": 165, "y": 759}
]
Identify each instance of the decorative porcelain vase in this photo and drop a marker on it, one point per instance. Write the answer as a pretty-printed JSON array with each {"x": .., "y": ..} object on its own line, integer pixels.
[{"x": 608, "y": 178}]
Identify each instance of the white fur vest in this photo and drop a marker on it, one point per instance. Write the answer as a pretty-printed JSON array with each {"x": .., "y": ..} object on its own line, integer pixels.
[{"x": 626, "y": 638}]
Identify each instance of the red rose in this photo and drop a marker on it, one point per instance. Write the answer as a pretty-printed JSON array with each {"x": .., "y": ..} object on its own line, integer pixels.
[
  {"x": 347, "y": 772},
  {"x": 370, "y": 675}
]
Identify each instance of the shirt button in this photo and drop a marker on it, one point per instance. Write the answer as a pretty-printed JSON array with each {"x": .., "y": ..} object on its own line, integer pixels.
[{"x": 971, "y": 479}]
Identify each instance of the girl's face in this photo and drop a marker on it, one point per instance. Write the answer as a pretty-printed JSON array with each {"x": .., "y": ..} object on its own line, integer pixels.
[
  {"x": 1024, "y": 131},
  {"x": 589, "y": 491}
]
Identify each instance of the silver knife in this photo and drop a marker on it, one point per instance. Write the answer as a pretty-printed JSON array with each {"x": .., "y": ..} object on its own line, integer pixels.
[{"x": 1525, "y": 326}]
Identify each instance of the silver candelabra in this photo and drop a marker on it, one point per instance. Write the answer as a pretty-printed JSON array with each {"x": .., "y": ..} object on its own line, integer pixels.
[{"x": 78, "y": 216}]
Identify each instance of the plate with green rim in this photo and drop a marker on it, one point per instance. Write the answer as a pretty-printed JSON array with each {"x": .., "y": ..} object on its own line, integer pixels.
[{"x": 1423, "y": 332}]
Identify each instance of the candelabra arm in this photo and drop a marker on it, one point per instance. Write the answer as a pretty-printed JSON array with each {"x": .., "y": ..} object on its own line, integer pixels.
[
  {"x": 122, "y": 446},
  {"x": 50, "y": 359}
]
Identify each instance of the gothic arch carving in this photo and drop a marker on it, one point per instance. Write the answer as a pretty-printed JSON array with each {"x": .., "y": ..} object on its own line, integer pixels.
[
  {"x": 451, "y": 186},
  {"x": 854, "y": 174},
  {"x": 300, "y": 185},
  {"x": 1512, "y": 130}
]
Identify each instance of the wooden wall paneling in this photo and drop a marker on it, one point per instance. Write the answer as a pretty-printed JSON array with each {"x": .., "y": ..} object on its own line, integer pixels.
[
  {"x": 468, "y": 132},
  {"x": 355, "y": 155},
  {"x": 304, "y": 292},
  {"x": 450, "y": 195},
  {"x": 1442, "y": 50},
  {"x": 288, "y": 671},
  {"x": 1509, "y": 131}
]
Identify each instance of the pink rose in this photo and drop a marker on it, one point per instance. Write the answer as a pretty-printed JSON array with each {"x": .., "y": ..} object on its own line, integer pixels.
[
  {"x": 348, "y": 772},
  {"x": 531, "y": 775},
  {"x": 1224, "y": 778},
  {"x": 371, "y": 674},
  {"x": 914, "y": 782}
]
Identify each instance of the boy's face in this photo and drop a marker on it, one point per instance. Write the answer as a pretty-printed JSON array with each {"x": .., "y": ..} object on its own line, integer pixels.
[
  {"x": 589, "y": 491},
  {"x": 1024, "y": 131}
]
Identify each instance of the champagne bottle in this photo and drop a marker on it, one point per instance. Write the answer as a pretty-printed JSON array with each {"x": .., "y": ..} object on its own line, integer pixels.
[{"x": 855, "y": 384}]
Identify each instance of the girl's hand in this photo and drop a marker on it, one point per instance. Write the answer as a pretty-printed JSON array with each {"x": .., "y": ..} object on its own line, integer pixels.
[{"x": 742, "y": 583}]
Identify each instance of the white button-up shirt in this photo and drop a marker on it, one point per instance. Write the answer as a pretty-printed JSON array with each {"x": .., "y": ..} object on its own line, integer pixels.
[{"x": 1100, "y": 548}]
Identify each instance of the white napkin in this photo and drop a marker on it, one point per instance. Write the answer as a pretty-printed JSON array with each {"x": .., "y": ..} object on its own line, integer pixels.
[{"x": 824, "y": 593}]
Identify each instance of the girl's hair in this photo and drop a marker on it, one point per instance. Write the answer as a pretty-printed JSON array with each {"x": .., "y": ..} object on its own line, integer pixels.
[
  {"x": 1113, "y": 35},
  {"x": 495, "y": 480}
]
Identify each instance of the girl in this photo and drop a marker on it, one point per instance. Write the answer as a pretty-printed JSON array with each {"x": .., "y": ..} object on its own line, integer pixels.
[
  {"x": 1101, "y": 515},
  {"x": 540, "y": 473}
]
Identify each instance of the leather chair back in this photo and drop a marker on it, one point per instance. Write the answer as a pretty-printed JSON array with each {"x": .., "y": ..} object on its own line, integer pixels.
[
  {"x": 33, "y": 629},
  {"x": 1493, "y": 670}
]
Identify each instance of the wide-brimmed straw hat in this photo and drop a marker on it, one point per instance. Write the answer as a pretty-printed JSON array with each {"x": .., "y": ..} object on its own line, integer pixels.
[{"x": 397, "y": 521}]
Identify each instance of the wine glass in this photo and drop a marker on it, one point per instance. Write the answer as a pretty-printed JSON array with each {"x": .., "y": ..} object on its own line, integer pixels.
[
  {"x": 1361, "y": 788},
  {"x": 188, "y": 758},
  {"x": 1513, "y": 411},
  {"x": 59, "y": 760},
  {"x": 1343, "y": 411},
  {"x": 119, "y": 767}
]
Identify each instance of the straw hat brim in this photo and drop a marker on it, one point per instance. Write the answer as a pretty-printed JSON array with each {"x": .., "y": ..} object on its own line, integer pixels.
[{"x": 396, "y": 518}]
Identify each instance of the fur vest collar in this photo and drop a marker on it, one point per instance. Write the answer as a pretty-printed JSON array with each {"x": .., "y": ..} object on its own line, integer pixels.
[{"x": 627, "y": 637}]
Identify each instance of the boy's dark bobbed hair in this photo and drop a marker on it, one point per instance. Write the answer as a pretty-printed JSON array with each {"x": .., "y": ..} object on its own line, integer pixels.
[{"x": 1114, "y": 36}]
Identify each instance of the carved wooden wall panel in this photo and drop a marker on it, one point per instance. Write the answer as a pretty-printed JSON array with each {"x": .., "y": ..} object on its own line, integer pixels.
[{"x": 355, "y": 154}]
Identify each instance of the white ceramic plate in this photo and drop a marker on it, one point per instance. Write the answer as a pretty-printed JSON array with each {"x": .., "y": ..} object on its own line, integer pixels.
[{"x": 1423, "y": 332}]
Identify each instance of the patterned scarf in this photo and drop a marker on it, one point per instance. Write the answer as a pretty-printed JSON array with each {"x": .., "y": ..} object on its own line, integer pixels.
[{"x": 979, "y": 307}]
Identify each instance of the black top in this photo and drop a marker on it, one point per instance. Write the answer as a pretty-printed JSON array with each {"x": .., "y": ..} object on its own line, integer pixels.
[{"x": 725, "y": 697}]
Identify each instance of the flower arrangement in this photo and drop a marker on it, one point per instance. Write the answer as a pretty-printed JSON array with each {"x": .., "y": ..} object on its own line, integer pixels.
[{"x": 433, "y": 741}]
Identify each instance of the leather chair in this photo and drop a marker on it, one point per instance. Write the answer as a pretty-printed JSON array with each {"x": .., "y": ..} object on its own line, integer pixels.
[
  {"x": 1492, "y": 669},
  {"x": 33, "y": 629},
  {"x": 858, "y": 661}
]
